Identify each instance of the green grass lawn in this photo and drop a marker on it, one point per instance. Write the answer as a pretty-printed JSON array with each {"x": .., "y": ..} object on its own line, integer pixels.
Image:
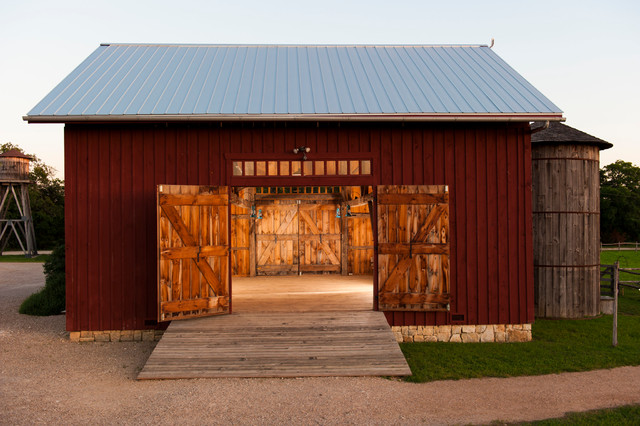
[
  {"x": 627, "y": 258},
  {"x": 19, "y": 258},
  {"x": 557, "y": 346},
  {"x": 626, "y": 415}
]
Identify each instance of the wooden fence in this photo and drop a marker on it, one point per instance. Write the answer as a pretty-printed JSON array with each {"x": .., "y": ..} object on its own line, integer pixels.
[
  {"x": 607, "y": 283},
  {"x": 620, "y": 246},
  {"x": 610, "y": 275}
]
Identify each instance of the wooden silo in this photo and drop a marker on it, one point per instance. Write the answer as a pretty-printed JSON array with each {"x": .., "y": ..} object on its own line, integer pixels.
[{"x": 566, "y": 221}]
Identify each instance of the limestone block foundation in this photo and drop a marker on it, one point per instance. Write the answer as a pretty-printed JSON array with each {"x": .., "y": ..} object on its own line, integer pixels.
[
  {"x": 463, "y": 333},
  {"x": 116, "y": 336}
]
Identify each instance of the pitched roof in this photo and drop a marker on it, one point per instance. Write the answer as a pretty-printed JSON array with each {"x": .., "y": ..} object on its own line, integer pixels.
[
  {"x": 15, "y": 153},
  {"x": 561, "y": 133},
  {"x": 220, "y": 82}
]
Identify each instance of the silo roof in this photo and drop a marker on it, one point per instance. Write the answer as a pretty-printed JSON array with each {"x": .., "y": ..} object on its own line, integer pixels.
[
  {"x": 14, "y": 153},
  {"x": 559, "y": 133},
  {"x": 133, "y": 82}
]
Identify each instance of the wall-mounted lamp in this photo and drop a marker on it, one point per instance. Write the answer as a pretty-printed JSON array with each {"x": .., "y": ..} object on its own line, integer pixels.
[
  {"x": 253, "y": 213},
  {"x": 347, "y": 214},
  {"x": 303, "y": 150}
]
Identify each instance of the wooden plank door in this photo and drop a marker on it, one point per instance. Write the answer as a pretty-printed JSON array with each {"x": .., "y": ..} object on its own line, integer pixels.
[
  {"x": 193, "y": 243},
  {"x": 359, "y": 238},
  {"x": 242, "y": 224},
  {"x": 413, "y": 248},
  {"x": 320, "y": 238},
  {"x": 277, "y": 238}
]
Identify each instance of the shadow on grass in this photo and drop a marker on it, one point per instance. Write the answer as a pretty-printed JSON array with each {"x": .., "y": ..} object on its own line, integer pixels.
[
  {"x": 626, "y": 415},
  {"x": 557, "y": 346}
]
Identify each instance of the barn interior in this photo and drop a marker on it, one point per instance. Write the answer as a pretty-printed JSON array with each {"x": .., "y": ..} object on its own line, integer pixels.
[{"x": 302, "y": 248}]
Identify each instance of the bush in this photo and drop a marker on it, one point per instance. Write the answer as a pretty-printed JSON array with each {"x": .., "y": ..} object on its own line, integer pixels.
[{"x": 51, "y": 299}]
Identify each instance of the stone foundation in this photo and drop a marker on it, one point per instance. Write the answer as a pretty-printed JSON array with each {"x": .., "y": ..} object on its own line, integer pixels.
[
  {"x": 116, "y": 336},
  {"x": 463, "y": 333}
]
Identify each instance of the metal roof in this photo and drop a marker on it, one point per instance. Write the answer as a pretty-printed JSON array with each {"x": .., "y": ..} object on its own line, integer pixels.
[{"x": 277, "y": 82}]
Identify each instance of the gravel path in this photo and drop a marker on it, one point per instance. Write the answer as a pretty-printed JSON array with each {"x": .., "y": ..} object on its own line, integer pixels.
[{"x": 44, "y": 378}]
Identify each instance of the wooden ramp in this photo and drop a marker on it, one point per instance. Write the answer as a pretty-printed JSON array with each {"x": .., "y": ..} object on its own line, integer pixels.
[{"x": 278, "y": 345}]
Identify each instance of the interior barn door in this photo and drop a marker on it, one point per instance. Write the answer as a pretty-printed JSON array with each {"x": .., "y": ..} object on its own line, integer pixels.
[
  {"x": 413, "y": 248},
  {"x": 277, "y": 239},
  {"x": 319, "y": 238},
  {"x": 193, "y": 242}
]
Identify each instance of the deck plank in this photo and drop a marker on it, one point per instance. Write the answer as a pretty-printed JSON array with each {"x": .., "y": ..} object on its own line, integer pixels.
[{"x": 278, "y": 345}]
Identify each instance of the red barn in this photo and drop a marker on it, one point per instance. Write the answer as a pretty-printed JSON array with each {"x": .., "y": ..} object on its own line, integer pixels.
[{"x": 189, "y": 165}]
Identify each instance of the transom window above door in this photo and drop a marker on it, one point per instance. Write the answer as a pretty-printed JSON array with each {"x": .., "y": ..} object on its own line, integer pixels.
[{"x": 297, "y": 168}]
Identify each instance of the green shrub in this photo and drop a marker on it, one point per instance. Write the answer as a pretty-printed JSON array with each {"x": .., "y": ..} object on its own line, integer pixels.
[{"x": 51, "y": 299}]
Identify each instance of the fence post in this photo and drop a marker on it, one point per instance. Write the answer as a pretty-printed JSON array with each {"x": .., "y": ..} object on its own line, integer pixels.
[{"x": 616, "y": 277}]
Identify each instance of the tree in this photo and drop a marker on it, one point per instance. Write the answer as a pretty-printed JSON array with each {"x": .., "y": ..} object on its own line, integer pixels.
[
  {"x": 47, "y": 202},
  {"x": 620, "y": 202}
]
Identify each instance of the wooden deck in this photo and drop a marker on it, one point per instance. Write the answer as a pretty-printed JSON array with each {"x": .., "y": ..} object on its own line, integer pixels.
[{"x": 271, "y": 344}]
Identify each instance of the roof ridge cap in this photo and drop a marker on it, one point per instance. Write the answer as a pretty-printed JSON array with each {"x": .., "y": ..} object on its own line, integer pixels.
[{"x": 289, "y": 45}]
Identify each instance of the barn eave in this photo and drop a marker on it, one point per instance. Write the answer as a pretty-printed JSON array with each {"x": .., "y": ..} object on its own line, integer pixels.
[{"x": 448, "y": 117}]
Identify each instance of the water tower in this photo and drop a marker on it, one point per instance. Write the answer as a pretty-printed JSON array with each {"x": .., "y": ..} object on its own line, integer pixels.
[{"x": 14, "y": 182}]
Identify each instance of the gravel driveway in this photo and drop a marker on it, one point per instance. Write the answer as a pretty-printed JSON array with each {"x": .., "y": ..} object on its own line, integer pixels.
[{"x": 44, "y": 378}]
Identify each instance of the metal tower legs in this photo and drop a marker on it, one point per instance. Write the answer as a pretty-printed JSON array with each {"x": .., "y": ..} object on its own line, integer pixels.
[{"x": 21, "y": 228}]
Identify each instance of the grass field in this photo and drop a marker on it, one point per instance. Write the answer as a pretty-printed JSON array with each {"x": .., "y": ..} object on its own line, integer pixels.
[
  {"x": 557, "y": 346},
  {"x": 19, "y": 258},
  {"x": 626, "y": 415},
  {"x": 627, "y": 258}
]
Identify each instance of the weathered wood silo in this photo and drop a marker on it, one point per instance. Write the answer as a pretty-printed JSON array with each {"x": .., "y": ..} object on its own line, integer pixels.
[{"x": 566, "y": 221}]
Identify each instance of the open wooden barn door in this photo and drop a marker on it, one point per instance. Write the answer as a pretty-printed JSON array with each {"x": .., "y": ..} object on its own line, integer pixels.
[
  {"x": 413, "y": 248},
  {"x": 193, "y": 242}
]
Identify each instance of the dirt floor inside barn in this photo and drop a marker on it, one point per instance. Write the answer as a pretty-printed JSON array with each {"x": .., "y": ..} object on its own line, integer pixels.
[{"x": 45, "y": 378}]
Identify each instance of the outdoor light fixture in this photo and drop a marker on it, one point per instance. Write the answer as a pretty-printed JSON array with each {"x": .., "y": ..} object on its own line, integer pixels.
[
  {"x": 347, "y": 214},
  {"x": 253, "y": 213},
  {"x": 303, "y": 150}
]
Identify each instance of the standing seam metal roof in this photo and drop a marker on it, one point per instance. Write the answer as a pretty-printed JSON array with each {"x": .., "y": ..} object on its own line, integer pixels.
[{"x": 138, "y": 81}]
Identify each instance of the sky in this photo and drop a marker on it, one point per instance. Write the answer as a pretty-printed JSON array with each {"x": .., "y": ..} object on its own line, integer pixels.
[{"x": 583, "y": 55}]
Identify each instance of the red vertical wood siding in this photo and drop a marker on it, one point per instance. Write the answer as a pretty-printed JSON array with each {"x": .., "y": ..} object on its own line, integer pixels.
[{"x": 112, "y": 172}]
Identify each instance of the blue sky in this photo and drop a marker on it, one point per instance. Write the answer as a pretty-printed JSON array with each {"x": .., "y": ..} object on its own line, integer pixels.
[{"x": 583, "y": 55}]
